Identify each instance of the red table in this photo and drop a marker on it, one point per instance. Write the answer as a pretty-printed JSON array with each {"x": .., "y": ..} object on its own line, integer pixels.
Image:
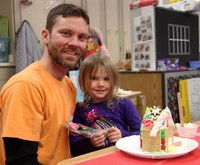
[
  {"x": 120, "y": 157},
  {"x": 117, "y": 157}
]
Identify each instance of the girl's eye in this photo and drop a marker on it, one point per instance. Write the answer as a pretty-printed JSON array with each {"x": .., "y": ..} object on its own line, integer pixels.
[
  {"x": 107, "y": 79},
  {"x": 93, "y": 78}
]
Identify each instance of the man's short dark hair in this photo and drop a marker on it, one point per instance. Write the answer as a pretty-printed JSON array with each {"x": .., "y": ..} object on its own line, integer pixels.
[{"x": 65, "y": 10}]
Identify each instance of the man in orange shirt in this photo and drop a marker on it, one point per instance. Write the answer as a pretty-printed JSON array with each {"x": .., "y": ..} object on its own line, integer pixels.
[{"x": 36, "y": 102}]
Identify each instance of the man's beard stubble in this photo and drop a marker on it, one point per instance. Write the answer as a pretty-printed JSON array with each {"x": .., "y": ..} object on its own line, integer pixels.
[{"x": 54, "y": 54}]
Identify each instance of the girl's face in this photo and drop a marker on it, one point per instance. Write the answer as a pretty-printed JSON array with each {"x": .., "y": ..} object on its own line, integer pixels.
[{"x": 100, "y": 86}]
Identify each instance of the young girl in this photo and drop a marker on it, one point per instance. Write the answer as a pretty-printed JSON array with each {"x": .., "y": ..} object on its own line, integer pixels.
[{"x": 102, "y": 108}]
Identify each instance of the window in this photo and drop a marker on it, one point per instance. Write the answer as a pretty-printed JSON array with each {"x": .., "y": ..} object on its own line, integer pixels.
[{"x": 179, "y": 39}]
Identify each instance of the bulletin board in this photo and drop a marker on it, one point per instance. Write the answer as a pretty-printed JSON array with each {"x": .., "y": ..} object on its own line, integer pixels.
[{"x": 143, "y": 39}]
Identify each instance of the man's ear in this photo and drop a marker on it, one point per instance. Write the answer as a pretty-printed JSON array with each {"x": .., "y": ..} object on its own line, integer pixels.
[{"x": 45, "y": 35}]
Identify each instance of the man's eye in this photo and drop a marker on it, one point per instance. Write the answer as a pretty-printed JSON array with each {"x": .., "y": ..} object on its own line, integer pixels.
[
  {"x": 83, "y": 37},
  {"x": 66, "y": 34}
]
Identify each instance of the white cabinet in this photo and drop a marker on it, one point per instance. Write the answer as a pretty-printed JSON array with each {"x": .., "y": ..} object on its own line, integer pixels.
[
  {"x": 113, "y": 29},
  {"x": 95, "y": 10},
  {"x": 126, "y": 33},
  {"x": 118, "y": 27},
  {"x": 6, "y": 71}
]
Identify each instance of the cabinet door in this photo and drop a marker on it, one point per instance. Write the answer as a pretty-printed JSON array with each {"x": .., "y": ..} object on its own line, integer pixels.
[
  {"x": 126, "y": 35},
  {"x": 150, "y": 84},
  {"x": 6, "y": 73},
  {"x": 94, "y": 10},
  {"x": 112, "y": 29},
  {"x": 76, "y": 2}
]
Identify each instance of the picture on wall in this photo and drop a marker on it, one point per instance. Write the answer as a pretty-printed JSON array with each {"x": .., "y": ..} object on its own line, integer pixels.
[{"x": 143, "y": 45}]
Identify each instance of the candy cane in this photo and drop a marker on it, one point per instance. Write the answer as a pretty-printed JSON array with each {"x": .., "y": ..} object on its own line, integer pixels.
[
  {"x": 164, "y": 116},
  {"x": 156, "y": 128}
]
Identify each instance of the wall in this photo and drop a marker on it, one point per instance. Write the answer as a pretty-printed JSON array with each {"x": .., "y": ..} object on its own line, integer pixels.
[
  {"x": 34, "y": 13},
  {"x": 111, "y": 16}
]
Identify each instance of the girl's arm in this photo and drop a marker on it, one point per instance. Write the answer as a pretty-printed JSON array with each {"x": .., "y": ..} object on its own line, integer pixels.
[
  {"x": 79, "y": 145},
  {"x": 131, "y": 117}
]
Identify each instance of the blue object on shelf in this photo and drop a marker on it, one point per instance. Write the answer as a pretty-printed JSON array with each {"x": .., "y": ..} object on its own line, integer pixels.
[
  {"x": 194, "y": 64},
  {"x": 4, "y": 48}
]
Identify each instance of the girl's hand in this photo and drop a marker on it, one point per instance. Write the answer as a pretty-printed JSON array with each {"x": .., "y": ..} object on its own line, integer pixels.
[
  {"x": 98, "y": 140},
  {"x": 114, "y": 134}
]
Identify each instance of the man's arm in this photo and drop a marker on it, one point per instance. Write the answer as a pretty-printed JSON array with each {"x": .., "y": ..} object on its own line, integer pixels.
[{"x": 20, "y": 151}]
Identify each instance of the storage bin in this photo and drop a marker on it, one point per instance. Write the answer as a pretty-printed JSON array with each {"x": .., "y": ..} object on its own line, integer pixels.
[
  {"x": 3, "y": 26},
  {"x": 194, "y": 64},
  {"x": 4, "y": 48}
]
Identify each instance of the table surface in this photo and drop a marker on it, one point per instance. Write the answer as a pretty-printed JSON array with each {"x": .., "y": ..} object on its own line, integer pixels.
[
  {"x": 84, "y": 159},
  {"x": 129, "y": 93}
]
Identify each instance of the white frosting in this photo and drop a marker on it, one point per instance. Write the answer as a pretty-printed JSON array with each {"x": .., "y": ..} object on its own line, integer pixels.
[{"x": 164, "y": 120}]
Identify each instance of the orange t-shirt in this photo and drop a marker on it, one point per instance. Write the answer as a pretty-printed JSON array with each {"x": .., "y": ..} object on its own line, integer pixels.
[{"x": 35, "y": 107}]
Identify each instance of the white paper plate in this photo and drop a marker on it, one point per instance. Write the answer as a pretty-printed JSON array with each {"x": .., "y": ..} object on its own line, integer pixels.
[{"x": 131, "y": 145}]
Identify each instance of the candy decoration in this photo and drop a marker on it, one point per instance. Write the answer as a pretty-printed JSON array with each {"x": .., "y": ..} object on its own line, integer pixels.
[
  {"x": 147, "y": 122},
  {"x": 82, "y": 130},
  {"x": 164, "y": 120},
  {"x": 162, "y": 139},
  {"x": 156, "y": 131}
]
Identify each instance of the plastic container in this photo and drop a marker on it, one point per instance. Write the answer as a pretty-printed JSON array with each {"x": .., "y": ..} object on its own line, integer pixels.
[
  {"x": 4, "y": 45},
  {"x": 194, "y": 64},
  {"x": 188, "y": 131},
  {"x": 3, "y": 26}
]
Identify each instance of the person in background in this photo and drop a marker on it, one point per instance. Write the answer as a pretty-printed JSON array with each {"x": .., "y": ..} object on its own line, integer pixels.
[
  {"x": 36, "y": 102},
  {"x": 102, "y": 108},
  {"x": 95, "y": 43}
]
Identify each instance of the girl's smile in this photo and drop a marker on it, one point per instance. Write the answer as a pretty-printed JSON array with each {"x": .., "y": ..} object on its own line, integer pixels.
[{"x": 100, "y": 86}]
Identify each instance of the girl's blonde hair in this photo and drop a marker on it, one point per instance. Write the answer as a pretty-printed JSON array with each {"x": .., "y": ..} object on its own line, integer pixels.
[{"x": 89, "y": 66}]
